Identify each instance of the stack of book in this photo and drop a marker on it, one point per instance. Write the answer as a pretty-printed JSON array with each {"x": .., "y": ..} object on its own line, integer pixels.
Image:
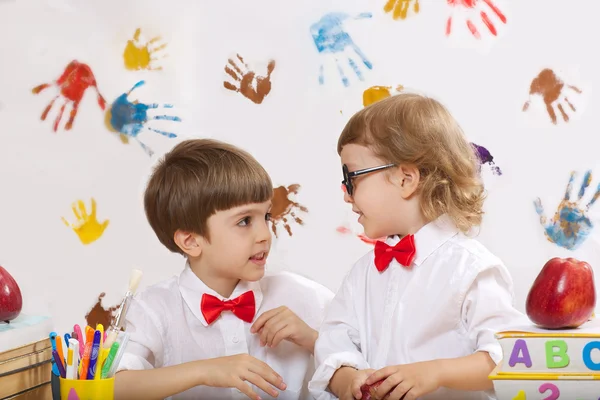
[
  {"x": 549, "y": 364},
  {"x": 25, "y": 358}
]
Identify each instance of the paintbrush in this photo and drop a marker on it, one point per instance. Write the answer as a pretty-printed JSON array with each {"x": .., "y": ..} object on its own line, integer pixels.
[{"x": 119, "y": 320}]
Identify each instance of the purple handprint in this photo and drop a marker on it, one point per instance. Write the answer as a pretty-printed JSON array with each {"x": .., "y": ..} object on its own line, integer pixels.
[
  {"x": 485, "y": 157},
  {"x": 570, "y": 225}
]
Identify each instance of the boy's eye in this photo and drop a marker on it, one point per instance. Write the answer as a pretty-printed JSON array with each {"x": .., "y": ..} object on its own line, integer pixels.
[
  {"x": 267, "y": 216},
  {"x": 244, "y": 222}
]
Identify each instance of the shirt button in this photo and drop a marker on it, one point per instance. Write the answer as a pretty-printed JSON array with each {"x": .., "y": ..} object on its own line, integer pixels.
[{"x": 235, "y": 339}]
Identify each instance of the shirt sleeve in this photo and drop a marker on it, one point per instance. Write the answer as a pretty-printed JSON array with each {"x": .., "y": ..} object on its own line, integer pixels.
[
  {"x": 488, "y": 308},
  {"x": 145, "y": 347},
  {"x": 338, "y": 343},
  {"x": 324, "y": 297}
]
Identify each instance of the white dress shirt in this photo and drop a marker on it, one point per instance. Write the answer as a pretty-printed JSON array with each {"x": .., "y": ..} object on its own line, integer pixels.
[
  {"x": 167, "y": 328},
  {"x": 448, "y": 303}
]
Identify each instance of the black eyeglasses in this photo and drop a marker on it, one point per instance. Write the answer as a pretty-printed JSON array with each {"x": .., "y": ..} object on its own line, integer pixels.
[{"x": 347, "y": 182}]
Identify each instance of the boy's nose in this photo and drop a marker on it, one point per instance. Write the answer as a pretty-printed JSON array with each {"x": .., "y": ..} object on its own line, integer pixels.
[
  {"x": 347, "y": 197},
  {"x": 264, "y": 233}
]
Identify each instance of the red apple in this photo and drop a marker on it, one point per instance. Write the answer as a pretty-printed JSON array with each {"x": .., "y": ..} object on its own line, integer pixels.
[
  {"x": 11, "y": 300},
  {"x": 368, "y": 391},
  {"x": 563, "y": 294}
]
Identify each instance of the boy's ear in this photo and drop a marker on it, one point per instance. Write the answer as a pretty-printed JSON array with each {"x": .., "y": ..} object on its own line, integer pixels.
[
  {"x": 190, "y": 243},
  {"x": 408, "y": 178}
]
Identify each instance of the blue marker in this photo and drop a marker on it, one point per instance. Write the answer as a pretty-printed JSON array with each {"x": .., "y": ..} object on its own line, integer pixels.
[
  {"x": 94, "y": 355},
  {"x": 53, "y": 344},
  {"x": 67, "y": 337}
]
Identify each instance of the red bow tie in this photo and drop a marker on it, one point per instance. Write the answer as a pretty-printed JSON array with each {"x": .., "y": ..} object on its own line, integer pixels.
[
  {"x": 403, "y": 252},
  {"x": 242, "y": 307}
]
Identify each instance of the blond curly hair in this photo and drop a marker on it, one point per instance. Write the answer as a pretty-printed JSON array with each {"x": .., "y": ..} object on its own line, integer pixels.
[{"x": 413, "y": 129}]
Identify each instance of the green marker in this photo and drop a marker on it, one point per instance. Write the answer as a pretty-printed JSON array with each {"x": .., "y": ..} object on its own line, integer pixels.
[{"x": 109, "y": 359}]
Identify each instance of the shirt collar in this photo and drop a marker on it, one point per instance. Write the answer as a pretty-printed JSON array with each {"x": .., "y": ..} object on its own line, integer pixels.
[
  {"x": 429, "y": 238},
  {"x": 192, "y": 288}
]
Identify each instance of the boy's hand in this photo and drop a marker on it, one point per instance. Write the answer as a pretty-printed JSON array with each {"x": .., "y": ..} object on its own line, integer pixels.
[
  {"x": 232, "y": 371},
  {"x": 359, "y": 379},
  {"x": 406, "y": 382},
  {"x": 281, "y": 323},
  {"x": 346, "y": 382}
]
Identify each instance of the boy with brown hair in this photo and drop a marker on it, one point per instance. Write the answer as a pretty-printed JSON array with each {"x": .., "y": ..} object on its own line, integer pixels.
[{"x": 221, "y": 329}]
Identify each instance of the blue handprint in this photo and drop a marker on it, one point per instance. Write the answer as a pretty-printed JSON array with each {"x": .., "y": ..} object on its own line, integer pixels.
[
  {"x": 570, "y": 226},
  {"x": 129, "y": 118},
  {"x": 330, "y": 37}
]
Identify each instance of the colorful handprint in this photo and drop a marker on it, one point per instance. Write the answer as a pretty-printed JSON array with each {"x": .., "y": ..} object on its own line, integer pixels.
[
  {"x": 87, "y": 227},
  {"x": 376, "y": 93},
  {"x": 251, "y": 86},
  {"x": 130, "y": 118},
  {"x": 72, "y": 84},
  {"x": 485, "y": 157},
  {"x": 551, "y": 88},
  {"x": 473, "y": 5},
  {"x": 400, "y": 8},
  {"x": 283, "y": 208},
  {"x": 570, "y": 226},
  {"x": 331, "y": 39}
]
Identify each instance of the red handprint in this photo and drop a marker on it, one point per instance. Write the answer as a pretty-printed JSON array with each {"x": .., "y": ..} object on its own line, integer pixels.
[
  {"x": 74, "y": 81},
  {"x": 473, "y": 5}
]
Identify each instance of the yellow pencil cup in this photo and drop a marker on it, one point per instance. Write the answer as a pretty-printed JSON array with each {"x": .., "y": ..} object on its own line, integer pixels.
[{"x": 83, "y": 389}]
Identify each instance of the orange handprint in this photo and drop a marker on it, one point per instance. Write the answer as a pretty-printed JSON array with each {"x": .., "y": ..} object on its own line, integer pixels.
[
  {"x": 142, "y": 55},
  {"x": 87, "y": 227},
  {"x": 550, "y": 87},
  {"x": 376, "y": 93},
  {"x": 473, "y": 5},
  {"x": 254, "y": 88},
  {"x": 400, "y": 8}
]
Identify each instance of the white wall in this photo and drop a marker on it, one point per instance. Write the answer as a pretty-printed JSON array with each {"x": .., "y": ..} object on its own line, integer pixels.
[{"x": 293, "y": 132}]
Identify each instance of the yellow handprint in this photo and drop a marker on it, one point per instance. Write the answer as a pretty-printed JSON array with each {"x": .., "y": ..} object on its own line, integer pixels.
[
  {"x": 87, "y": 227},
  {"x": 376, "y": 93},
  {"x": 141, "y": 55},
  {"x": 401, "y": 7}
]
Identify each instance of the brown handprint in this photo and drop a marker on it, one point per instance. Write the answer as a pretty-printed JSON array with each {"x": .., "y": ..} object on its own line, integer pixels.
[
  {"x": 100, "y": 315},
  {"x": 251, "y": 86},
  {"x": 400, "y": 8},
  {"x": 283, "y": 206},
  {"x": 550, "y": 87}
]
